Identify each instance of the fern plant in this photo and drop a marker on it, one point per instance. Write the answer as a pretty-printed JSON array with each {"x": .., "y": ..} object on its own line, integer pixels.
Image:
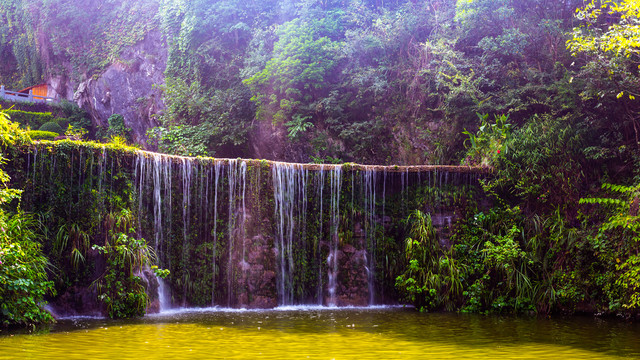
[
  {"x": 625, "y": 208},
  {"x": 432, "y": 278},
  {"x": 623, "y": 225}
]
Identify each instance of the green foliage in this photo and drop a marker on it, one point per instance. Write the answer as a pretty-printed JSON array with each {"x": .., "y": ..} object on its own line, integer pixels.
[
  {"x": 75, "y": 133},
  {"x": 433, "y": 277},
  {"x": 33, "y": 120},
  {"x": 42, "y": 135},
  {"x": 489, "y": 142},
  {"x": 298, "y": 125},
  {"x": 544, "y": 163},
  {"x": 52, "y": 127},
  {"x": 609, "y": 36},
  {"x": 621, "y": 38},
  {"x": 629, "y": 280},
  {"x": 500, "y": 264},
  {"x": 119, "y": 288},
  {"x": 182, "y": 140},
  {"x": 117, "y": 127},
  {"x": 10, "y": 132},
  {"x": 303, "y": 57},
  {"x": 619, "y": 238},
  {"x": 23, "y": 277},
  {"x": 198, "y": 121},
  {"x": 74, "y": 115}
]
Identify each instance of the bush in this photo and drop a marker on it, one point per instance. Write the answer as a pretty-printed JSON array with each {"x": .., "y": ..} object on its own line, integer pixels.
[
  {"x": 117, "y": 127},
  {"x": 119, "y": 288},
  {"x": 74, "y": 115},
  {"x": 52, "y": 127},
  {"x": 42, "y": 135},
  {"x": 32, "y": 119},
  {"x": 23, "y": 277}
]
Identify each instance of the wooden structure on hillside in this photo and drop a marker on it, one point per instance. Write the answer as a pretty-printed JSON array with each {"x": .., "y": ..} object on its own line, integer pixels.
[
  {"x": 39, "y": 91},
  {"x": 36, "y": 93}
]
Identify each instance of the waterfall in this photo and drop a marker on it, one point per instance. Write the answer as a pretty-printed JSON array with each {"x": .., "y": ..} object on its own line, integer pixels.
[
  {"x": 214, "y": 270},
  {"x": 332, "y": 260},
  {"x": 164, "y": 296},
  {"x": 290, "y": 200},
  {"x": 237, "y": 175},
  {"x": 302, "y": 234},
  {"x": 243, "y": 174},
  {"x": 369, "y": 203},
  {"x": 233, "y": 165},
  {"x": 187, "y": 172},
  {"x": 320, "y": 178}
]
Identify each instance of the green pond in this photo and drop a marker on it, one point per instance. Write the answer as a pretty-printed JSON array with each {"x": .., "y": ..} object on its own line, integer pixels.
[{"x": 326, "y": 333}]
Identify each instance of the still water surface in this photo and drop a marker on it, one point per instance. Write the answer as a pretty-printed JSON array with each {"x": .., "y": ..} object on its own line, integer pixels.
[{"x": 325, "y": 333}]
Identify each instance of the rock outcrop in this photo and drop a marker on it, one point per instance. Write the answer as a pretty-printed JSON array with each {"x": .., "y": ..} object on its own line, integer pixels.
[{"x": 129, "y": 86}]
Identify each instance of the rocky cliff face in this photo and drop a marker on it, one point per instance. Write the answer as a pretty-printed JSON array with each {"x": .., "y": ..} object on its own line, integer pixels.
[{"x": 128, "y": 87}]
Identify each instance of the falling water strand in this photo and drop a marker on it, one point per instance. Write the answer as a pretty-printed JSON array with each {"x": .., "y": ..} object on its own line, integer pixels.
[
  {"x": 278, "y": 194},
  {"x": 218, "y": 172},
  {"x": 168, "y": 176},
  {"x": 320, "y": 189},
  {"x": 332, "y": 260},
  {"x": 187, "y": 171},
  {"x": 164, "y": 296},
  {"x": 232, "y": 173},
  {"x": 157, "y": 199},
  {"x": 370, "y": 229},
  {"x": 284, "y": 193},
  {"x": 139, "y": 176},
  {"x": 243, "y": 174},
  {"x": 302, "y": 211}
]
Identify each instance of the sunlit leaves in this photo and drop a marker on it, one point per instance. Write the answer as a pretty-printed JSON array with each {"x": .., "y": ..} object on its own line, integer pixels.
[
  {"x": 302, "y": 58},
  {"x": 599, "y": 34}
]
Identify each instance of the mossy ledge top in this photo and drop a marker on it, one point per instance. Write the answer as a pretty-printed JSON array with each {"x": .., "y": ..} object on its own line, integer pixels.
[{"x": 349, "y": 166}]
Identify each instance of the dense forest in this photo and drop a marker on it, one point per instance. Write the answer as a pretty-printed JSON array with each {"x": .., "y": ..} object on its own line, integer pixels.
[
  {"x": 334, "y": 81},
  {"x": 545, "y": 93}
]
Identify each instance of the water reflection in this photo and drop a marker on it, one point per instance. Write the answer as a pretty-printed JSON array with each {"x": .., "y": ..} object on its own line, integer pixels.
[{"x": 321, "y": 333}]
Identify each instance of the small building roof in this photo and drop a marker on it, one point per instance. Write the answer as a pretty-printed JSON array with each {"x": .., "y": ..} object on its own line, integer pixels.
[{"x": 26, "y": 90}]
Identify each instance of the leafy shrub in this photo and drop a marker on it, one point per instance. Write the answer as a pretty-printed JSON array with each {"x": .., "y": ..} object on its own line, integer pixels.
[
  {"x": 52, "y": 127},
  {"x": 489, "y": 142},
  {"x": 75, "y": 133},
  {"x": 618, "y": 242},
  {"x": 433, "y": 277},
  {"x": 117, "y": 127},
  {"x": 42, "y": 135},
  {"x": 32, "y": 119},
  {"x": 23, "y": 279},
  {"x": 183, "y": 140},
  {"x": 74, "y": 115},
  {"x": 119, "y": 288}
]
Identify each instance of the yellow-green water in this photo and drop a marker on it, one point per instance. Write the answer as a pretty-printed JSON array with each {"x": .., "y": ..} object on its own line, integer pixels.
[{"x": 328, "y": 334}]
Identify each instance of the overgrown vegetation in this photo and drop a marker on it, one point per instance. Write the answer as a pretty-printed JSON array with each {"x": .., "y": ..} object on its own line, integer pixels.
[
  {"x": 543, "y": 92},
  {"x": 56, "y": 248},
  {"x": 23, "y": 277},
  {"x": 120, "y": 287}
]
